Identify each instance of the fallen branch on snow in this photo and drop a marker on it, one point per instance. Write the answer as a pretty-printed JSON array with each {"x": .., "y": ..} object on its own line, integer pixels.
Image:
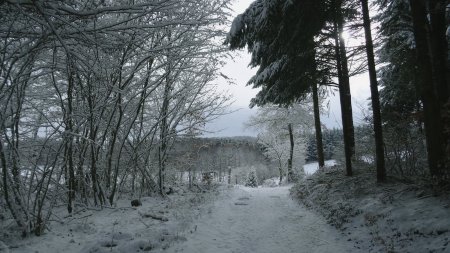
[{"x": 154, "y": 216}]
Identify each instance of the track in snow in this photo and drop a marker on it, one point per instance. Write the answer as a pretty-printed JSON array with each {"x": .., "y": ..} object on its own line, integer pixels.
[{"x": 262, "y": 220}]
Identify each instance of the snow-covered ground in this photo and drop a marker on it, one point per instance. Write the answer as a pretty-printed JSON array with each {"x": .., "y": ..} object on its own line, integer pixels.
[
  {"x": 397, "y": 216},
  {"x": 311, "y": 168},
  {"x": 393, "y": 217},
  {"x": 227, "y": 219},
  {"x": 261, "y": 220},
  {"x": 155, "y": 226}
]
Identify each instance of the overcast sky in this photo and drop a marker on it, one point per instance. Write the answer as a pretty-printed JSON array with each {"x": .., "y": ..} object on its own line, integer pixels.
[{"x": 237, "y": 69}]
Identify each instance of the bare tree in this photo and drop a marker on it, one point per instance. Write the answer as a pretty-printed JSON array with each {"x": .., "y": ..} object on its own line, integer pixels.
[
  {"x": 81, "y": 85},
  {"x": 280, "y": 129}
]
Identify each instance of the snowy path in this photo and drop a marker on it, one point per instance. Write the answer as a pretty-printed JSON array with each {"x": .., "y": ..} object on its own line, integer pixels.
[{"x": 262, "y": 220}]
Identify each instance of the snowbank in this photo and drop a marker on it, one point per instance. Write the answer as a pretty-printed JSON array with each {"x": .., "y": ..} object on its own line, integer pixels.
[
  {"x": 155, "y": 226},
  {"x": 392, "y": 217},
  {"x": 311, "y": 168}
]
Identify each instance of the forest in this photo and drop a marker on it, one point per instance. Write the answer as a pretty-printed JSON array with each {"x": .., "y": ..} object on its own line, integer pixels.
[
  {"x": 103, "y": 100},
  {"x": 410, "y": 49}
]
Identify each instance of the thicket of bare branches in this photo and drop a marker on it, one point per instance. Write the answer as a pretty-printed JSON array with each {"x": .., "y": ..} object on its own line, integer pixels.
[{"x": 93, "y": 93}]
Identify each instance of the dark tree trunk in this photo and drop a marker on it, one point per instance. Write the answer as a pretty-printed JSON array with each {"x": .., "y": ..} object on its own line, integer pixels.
[
  {"x": 427, "y": 91},
  {"x": 280, "y": 170},
  {"x": 5, "y": 187},
  {"x": 347, "y": 112},
  {"x": 377, "y": 127},
  {"x": 439, "y": 50},
  {"x": 115, "y": 174},
  {"x": 69, "y": 140},
  {"x": 163, "y": 135},
  {"x": 441, "y": 75},
  {"x": 94, "y": 149},
  {"x": 344, "y": 92},
  {"x": 113, "y": 138},
  {"x": 290, "y": 176},
  {"x": 318, "y": 127},
  {"x": 80, "y": 175}
]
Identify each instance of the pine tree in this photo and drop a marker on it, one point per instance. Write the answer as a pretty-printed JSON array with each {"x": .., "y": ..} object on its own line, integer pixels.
[
  {"x": 415, "y": 76},
  {"x": 331, "y": 138},
  {"x": 380, "y": 163},
  {"x": 252, "y": 180},
  {"x": 311, "y": 149},
  {"x": 399, "y": 99},
  {"x": 281, "y": 37},
  {"x": 433, "y": 81}
]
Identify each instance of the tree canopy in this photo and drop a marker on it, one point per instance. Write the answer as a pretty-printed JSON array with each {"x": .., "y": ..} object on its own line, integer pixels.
[{"x": 280, "y": 36}]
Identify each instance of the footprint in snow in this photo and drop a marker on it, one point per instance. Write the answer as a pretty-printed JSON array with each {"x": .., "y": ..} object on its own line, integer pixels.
[{"x": 241, "y": 201}]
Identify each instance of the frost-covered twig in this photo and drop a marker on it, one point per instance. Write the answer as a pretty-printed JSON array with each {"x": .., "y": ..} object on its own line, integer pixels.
[
  {"x": 145, "y": 224},
  {"x": 154, "y": 216}
]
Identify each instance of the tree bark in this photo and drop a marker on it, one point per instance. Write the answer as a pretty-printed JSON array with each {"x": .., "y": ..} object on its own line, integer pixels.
[
  {"x": 68, "y": 157},
  {"x": 115, "y": 173},
  {"x": 5, "y": 180},
  {"x": 427, "y": 91},
  {"x": 439, "y": 50},
  {"x": 290, "y": 176},
  {"x": 280, "y": 169},
  {"x": 163, "y": 135},
  {"x": 377, "y": 127},
  {"x": 441, "y": 77},
  {"x": 319, "y": 142},
  {"x": 344, "y": 91}
]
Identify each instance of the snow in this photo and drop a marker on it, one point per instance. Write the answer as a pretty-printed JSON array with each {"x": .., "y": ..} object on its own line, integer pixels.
[
  {"x": 261, "y": 220},
  {"x": 367, "y": 217},
  {"x": 230, "y": 219},
  {"x": 392, "y": 217},
  {"x": 269, "y": 71},
  {"x": 121, "y": 228},
  {"x": 311, "y": 168}
]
